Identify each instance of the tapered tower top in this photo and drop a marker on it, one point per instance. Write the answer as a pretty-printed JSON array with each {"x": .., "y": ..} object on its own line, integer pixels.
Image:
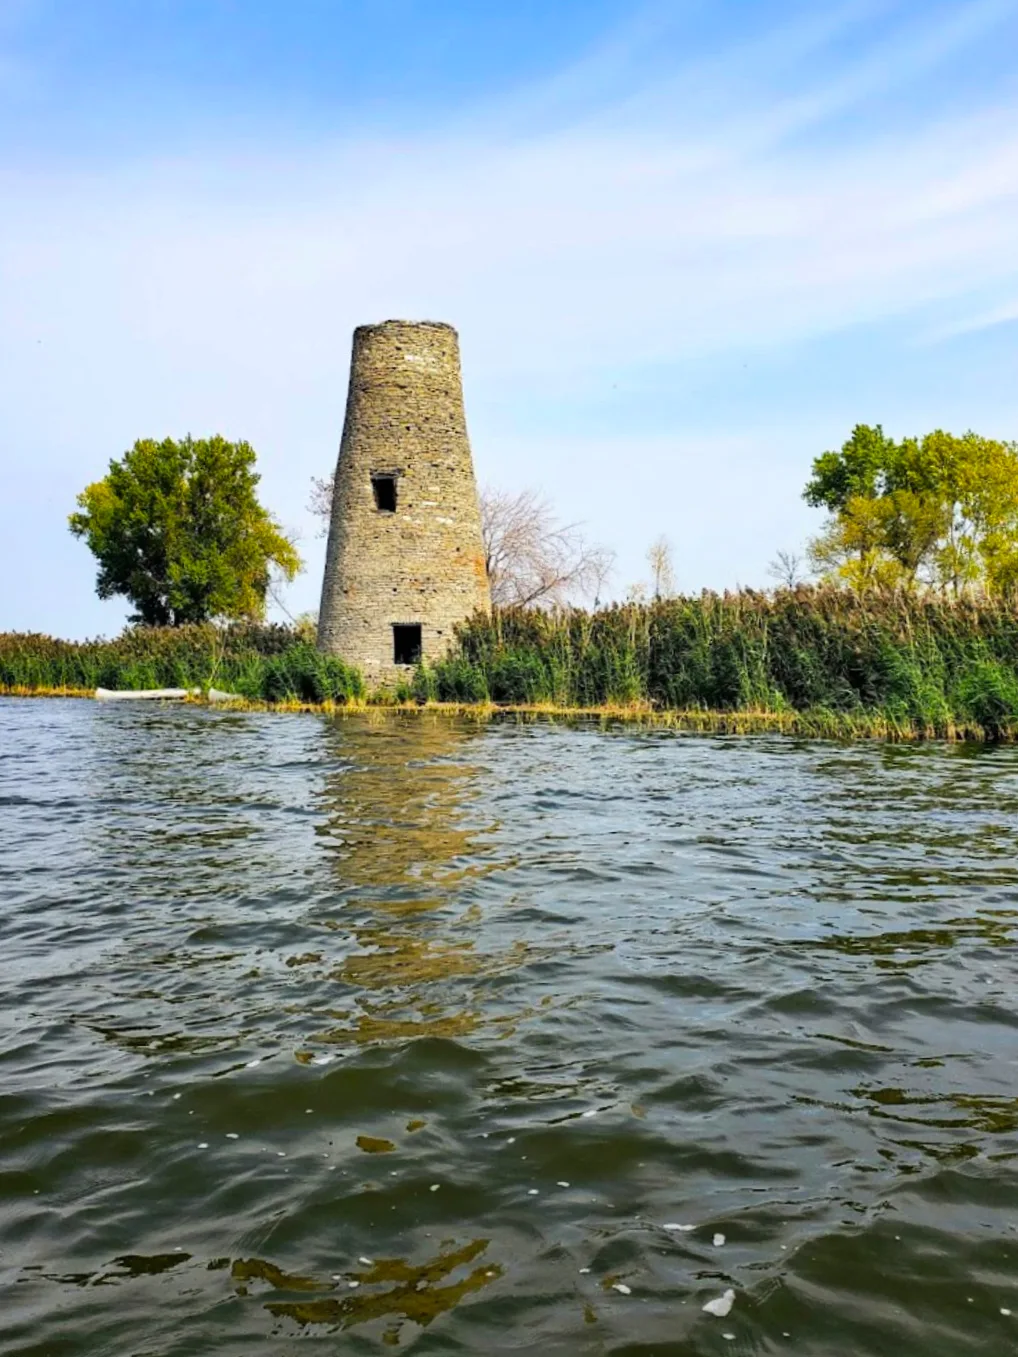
[
  {"x": 405, "y": 561},
  {"x": 405, "y": 325}
]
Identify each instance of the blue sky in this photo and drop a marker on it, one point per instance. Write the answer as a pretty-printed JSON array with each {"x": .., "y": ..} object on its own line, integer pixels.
[{"x": 687, "y": 247}]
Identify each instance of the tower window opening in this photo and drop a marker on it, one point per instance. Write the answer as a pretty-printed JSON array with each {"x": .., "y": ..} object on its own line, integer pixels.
[
  {"x": 406, "y": 642},
  {"x": 384, "y": 488}
]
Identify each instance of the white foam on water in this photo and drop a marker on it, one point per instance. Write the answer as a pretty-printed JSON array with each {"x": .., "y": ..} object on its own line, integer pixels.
[
  {"x": 203, "y": 1145},
  {"x": 682, "y": 1229},
  {"x": 719, "y": 1239},
  {"x": 533, "y": 1192},
  {"x": 366, "y": 1261},
  {"x": 622, "y": 1289},
  {"x": 232, "y": 1135},
  {"x": 721, "y": 1305},
  {"x": 434, "y": 1187},
  {"x": 562, "y": 1184}
]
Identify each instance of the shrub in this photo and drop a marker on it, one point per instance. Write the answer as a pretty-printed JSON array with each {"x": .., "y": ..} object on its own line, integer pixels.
[
  {"x": 424, "y": 685},
  {"x": 458, "y": 679},
  {"x": 989, "y": 694},
  {"x": 303, "y": 674}
]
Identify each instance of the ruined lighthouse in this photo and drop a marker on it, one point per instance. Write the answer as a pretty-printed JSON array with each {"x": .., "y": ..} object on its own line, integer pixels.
[{"x": 405, "y": 560}]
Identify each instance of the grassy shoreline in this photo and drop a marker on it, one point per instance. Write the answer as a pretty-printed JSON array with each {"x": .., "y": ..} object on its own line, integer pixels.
[
  {"x": 816, "y": 724},
  {"x": 808, "y": 662}
]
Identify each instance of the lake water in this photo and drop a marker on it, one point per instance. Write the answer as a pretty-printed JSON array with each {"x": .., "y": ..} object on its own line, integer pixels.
[{"x": 393, "y": 1031}]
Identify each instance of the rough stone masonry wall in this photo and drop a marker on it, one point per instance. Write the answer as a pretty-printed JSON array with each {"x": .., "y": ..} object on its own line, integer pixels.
[{"x": 425, "y": 562}]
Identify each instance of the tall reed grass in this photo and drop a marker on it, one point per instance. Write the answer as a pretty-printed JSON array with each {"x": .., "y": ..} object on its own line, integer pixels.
[
  {"x": 822, "y": 661},
  {"x": 920, "y": 666},
  {"x": 266, "y": 663}
]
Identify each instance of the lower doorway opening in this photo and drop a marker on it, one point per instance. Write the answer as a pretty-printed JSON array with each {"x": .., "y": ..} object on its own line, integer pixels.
[{"x": 406, "y": 642}]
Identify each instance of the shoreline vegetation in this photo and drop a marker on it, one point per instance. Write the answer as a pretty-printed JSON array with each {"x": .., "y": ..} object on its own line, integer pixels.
[
  {"x": 811, "y": 662},
  {"x": 819, "y": 724}
]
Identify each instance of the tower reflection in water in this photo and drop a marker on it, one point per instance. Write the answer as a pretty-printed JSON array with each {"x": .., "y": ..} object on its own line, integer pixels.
[{"x": 410, "y": 840}]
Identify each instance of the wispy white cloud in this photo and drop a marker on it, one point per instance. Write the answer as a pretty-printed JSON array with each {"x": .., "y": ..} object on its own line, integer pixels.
[
  {"x": 654, "y": 230},
  {"x": 1004, "y": 314}
]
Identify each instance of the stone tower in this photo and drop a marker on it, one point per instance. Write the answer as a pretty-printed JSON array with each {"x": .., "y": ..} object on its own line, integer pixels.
[{"x": 405, "y": 561}]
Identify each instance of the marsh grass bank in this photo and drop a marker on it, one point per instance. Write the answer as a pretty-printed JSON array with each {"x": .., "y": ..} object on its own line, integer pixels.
[
  {"x": 811, "y": 662},
  {"x": 262, "y": 663},
  {"x": 824, "y": 661}
]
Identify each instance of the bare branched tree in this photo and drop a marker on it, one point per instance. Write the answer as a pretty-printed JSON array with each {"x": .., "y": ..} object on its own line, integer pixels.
[
  {"x": 601, "y": 570},
  {"x": 788, "y": 569},
  {"x": 533, "y": 560},
  {"x": 275, "y": 589},
  {"x": 662, "y": 572},
  {"x": 320, "y": 503}
]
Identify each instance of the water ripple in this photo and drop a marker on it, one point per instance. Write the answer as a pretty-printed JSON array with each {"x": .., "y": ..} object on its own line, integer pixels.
[{"x": 481, "y": 1037}]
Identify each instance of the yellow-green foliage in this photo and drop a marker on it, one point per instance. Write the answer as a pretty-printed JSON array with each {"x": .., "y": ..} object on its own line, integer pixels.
[{"x": 939, "y": 511}]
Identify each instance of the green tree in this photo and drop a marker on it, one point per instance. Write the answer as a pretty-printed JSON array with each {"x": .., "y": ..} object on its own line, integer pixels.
[
  {"x": 940, "y": 511},
  {"x": 177, "y": 528},
  {"x": 861, "y": 468}
]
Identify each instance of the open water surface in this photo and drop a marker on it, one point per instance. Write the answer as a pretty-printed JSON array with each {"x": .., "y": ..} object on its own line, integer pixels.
[{"x": 382, "y": 1032}]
